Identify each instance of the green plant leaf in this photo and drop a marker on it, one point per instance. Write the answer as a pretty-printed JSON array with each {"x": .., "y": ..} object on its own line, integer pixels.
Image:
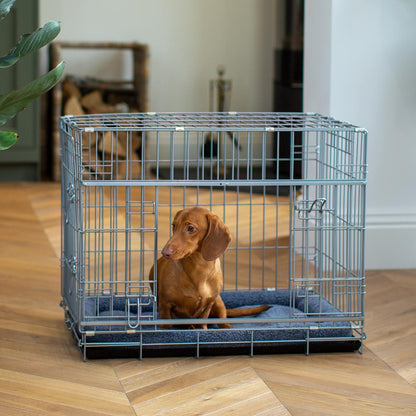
[
  {"x": 15, "y": 101},
  {"x": 7, "y": 139},
  {"x": 36, "y": 40},
  {"x": 8, "y": 60},
  {"x": 31, "y": 42},
  {"x": 5, "y": 6}
]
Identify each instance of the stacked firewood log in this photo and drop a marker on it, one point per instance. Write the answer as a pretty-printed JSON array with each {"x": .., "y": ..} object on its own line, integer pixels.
[{"x": 109, "y": 154}]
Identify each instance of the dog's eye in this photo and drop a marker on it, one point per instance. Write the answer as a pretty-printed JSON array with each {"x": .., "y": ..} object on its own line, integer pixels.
[{"x": 190, "y": 229}]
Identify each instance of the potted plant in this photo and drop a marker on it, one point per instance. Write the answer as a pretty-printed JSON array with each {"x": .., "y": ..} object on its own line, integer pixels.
[{"x": 17, "y": 100}]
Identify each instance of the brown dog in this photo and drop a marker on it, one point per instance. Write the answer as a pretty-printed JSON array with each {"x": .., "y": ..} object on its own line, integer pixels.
[{"x": 189, "y": 275}]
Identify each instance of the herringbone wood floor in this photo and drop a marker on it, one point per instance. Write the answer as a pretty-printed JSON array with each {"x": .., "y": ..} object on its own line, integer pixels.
[{"x": 42, "y": 373}]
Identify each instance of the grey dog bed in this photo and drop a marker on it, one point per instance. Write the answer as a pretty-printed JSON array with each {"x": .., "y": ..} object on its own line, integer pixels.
[{"x": 266, "y": 336}]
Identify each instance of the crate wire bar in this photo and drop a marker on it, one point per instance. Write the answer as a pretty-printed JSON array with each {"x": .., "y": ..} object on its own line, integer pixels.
[{"x": 297, "y": 242}]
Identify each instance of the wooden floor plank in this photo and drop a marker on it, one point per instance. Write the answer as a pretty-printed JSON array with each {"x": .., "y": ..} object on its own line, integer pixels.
[
  {"x": 180, "y": 370},
  {"x": 180, "y": 382},
  {"x": 263, "y": 405},
  {"x": 45, "y": 199},
  {"x": 400, "y": 355},
  {"x": 80, "y": 373},
  {"x": 13, "y": 405},
  {"x": 211, "y": 394},
  {"x": 391, "y": 314},
  {"x": 61, "y": 392}
]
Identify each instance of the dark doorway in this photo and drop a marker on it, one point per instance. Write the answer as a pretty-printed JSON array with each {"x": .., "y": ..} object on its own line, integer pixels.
[{"x": 288, "y": 88}]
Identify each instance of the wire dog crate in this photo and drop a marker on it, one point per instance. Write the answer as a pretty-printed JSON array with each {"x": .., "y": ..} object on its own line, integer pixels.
[{"x": 297, "y": 244}]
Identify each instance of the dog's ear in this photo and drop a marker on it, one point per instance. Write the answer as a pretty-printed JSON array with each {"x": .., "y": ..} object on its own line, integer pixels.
[{"x": 216, "y": 239}]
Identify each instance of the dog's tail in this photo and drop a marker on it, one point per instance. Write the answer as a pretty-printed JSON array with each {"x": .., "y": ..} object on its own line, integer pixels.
[{"x": 234, "y": 313}]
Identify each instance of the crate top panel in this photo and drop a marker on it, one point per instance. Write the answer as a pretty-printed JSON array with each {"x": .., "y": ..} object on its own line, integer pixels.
[{"x": 207, "y": 122}]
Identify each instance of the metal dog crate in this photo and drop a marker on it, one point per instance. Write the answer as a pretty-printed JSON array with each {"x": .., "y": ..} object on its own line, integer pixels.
[{"x": 297, "y": 242}]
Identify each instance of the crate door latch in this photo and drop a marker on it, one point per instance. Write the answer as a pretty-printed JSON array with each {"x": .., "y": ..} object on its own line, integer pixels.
[{"x": 310, "y": 209}]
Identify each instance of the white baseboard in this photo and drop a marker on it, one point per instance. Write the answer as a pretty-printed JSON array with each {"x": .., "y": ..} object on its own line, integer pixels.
[{"x": 390, "y": 240}]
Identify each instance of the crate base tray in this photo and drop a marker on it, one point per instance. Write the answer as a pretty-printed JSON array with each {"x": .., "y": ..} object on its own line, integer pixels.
[
  {"x": 290, "y": 334},
  {"x": 147, "y": 351}
]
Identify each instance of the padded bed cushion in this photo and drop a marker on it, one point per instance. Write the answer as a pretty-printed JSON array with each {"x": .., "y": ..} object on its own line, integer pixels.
[{"x": 222, "y": 341}]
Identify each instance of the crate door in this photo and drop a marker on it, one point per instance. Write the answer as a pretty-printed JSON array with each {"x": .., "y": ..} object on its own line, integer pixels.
[
  {"x": 307, "y": 280},
  {"x": 327, "y": 233},
  {"x": 70, "y": 226},
  {"x": 119, "y": 240},
  {"x": 140, "y": 252}
]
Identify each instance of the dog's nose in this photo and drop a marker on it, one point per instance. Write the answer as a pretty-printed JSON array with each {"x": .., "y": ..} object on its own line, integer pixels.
[{"x": 167, "y": 252}]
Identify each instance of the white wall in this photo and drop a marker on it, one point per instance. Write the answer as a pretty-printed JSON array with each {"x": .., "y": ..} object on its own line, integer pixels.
[
  {"x": 360, "y": 66},
  {"x": 187, "y": 39}
]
